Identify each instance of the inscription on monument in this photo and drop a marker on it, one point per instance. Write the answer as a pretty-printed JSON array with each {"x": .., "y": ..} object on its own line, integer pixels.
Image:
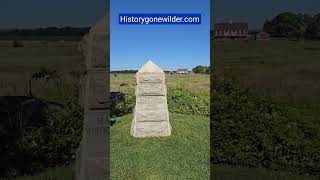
[
  {"x": 96, "y": 118},
  {"x": 151, "y": 89},
  {"x": 98, "y": 97}
]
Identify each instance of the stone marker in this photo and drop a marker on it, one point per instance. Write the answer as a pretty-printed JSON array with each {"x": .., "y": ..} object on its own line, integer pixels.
[
  {"x": 151, "y": 116},
  {"x": 92, "y": 157}
]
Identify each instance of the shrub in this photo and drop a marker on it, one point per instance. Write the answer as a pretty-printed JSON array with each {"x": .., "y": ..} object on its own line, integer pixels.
[
  {"x": 179, "y": 101},
  {"x": 125, "y": 106},
  {"x": 185, "y": 102},
  {"x": 254, "y": 131},
  {"x": 55, "y": 142}
]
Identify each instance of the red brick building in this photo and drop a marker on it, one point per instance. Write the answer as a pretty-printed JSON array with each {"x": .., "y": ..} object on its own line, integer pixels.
[{"x": 230, "y": 30}]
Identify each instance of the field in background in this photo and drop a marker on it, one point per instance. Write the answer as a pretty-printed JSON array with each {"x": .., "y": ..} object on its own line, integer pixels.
[
  {"x": 286, "y": 70},
  {"x": 197, "y": 83},
  {"x": 18, "y": 64}
]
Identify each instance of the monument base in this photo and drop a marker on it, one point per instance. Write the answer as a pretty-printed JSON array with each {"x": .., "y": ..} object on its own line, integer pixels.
[
  {"x": 150, "y": 129},
  {"x": 162, "y": 129}
]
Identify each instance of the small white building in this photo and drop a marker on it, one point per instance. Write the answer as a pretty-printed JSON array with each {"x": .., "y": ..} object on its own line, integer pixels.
[{"x": 182, "y": 71}]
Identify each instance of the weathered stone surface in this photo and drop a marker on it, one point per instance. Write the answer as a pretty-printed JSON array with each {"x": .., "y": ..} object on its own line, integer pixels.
[
  {"x": 152, "y": 129},
  {"x": 82, "y": 92},
  {"x": 96, "y": 139},
  {"x": 78, "y": 163},
  {"x": 96, "y": 94},
  {"x": 151, "y": 77},
  {"x": 151, "y": 89},
  {"x": 97, "y": 169},
  {"x": 92, "y": 156},
  {"x": 96, "y": 118},
  {"x": 99, "y": 54},
  {"x": 151, "y": 116},
  {"x": 149, "y": 103},
  {"x": 81, "y": 162},
  {"x": 95, "y": 45}
]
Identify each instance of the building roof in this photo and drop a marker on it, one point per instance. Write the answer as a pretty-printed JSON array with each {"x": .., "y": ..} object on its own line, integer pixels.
[
  {"x": 182, "y": 69},
  {"x": 231, "y": 25}
]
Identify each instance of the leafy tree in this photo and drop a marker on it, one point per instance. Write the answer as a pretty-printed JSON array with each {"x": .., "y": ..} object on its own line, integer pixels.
[
  {"x": 201, "y": 69},
  {"x": 286, "y": 24},
  {"x": 208, "y": 70},
  {"x": 313, "y": 29},
  {"x": 306, "y": 19},
  {"x": 267, "y": 27}
]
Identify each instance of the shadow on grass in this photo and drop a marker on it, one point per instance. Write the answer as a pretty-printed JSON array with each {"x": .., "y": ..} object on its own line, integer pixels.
[{"x": 225, "y": 172}]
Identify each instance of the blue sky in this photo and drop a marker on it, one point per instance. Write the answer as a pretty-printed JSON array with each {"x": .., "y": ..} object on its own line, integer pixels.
[
  {"x": 43, "y": 13},
  {"x": 169, "y": 46},
  {"x": 255, "y": 12}
]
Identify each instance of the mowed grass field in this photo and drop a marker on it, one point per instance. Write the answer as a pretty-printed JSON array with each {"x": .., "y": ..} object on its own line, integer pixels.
[
  {"x": 18, "y": 64},
  {"x": 197, "y": 83},
  {"x": 183, "y": 155},
  {"x": 286, "y": 70}
]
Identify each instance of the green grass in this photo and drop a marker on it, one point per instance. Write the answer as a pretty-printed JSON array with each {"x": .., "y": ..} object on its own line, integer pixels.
[
  {"x": 18, "y": 64},
  {"x": 223, "y": 172},
  {"x": 59, "y": 173},
  {"x": 286, "y": 70},
  {"x": 183, "y": 155},
  {"x": 58, "y": 55}
]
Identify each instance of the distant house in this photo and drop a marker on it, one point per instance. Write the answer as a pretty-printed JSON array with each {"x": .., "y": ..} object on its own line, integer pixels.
[
  {"x": 262, "y": 36},
  {"x": 182, "y": 71},
  {"x": 230, "y": 30}
]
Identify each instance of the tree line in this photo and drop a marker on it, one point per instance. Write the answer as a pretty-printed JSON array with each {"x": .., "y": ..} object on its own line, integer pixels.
[
  {"x": 201, "y": 69},
  {"x": 48, "y": 31},
  {"x": 293, "y": 25}
]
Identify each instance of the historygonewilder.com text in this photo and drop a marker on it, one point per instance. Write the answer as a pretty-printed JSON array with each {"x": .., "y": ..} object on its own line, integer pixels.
[{"x": 147, "y": 19}]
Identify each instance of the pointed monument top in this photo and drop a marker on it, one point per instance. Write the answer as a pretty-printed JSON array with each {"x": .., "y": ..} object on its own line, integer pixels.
[
  {"x": 102, "y": 26},
  {"x": 150, "y": 67}
]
